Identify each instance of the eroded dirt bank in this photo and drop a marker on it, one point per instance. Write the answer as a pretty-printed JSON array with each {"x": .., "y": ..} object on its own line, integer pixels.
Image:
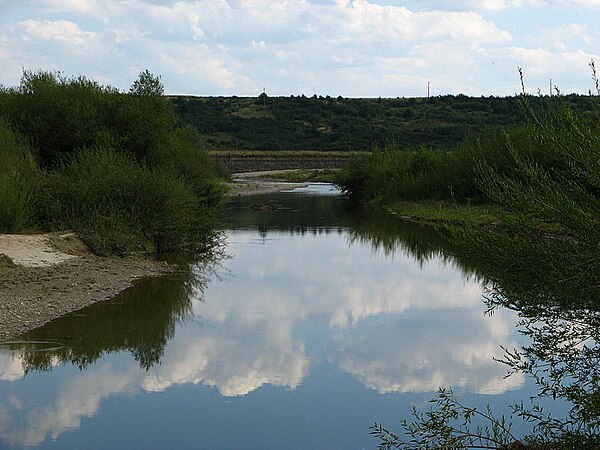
[{"x": 53, "y": 282}]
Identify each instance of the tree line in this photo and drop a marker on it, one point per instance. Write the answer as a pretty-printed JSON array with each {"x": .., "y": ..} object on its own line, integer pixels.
[{"x": 352, "y": 124}]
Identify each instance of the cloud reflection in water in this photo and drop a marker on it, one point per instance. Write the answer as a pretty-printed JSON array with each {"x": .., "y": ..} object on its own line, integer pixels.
[{"x": 395, "y": 325}]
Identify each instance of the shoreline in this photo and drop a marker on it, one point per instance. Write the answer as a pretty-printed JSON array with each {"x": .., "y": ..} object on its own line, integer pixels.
[
  {"x": 33, "y": 296},
  {"x": 45, "y": 276},
  {"x": 48, "y": 275}
]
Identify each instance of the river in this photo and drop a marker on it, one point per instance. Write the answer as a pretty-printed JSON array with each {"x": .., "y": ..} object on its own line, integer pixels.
[{"x": 313, "y": 322}]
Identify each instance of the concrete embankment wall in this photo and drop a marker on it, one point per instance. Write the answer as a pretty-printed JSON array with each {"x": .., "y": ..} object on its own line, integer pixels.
[{"x": 278, "y": 162}]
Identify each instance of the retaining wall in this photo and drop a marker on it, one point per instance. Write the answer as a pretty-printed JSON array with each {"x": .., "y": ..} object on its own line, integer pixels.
[{"x": 278, "y": 162}]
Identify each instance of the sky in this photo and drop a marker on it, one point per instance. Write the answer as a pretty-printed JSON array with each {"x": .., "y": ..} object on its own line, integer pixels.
[{"x": 353, "y": 48}]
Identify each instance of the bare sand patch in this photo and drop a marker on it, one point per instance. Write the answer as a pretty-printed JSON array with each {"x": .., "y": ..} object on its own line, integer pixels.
[{"x": 41, "y": 250}]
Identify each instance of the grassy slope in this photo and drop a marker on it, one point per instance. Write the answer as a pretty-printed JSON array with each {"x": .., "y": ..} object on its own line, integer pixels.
[
  {"x": 343, "y": 124},
  {"x": 444, "y": 212}
]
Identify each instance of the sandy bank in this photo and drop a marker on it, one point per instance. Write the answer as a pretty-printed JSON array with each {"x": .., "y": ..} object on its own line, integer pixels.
[
  {"x": 54, "y": 274},
  {"x": 254, "y": 183}
]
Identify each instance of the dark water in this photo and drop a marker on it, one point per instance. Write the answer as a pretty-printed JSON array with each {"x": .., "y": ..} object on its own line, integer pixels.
[{"x": 316, "y": 322}]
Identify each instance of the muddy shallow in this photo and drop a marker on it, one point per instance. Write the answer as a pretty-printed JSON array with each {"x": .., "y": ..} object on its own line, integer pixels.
[{"x": 255, "y": 183}]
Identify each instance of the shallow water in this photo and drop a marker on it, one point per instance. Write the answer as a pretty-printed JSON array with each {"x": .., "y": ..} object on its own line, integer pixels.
[{"x": 317, "y": 321}]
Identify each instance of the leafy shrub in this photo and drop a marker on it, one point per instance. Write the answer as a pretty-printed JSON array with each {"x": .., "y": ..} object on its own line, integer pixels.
[
  {"x": 183, "y": 155},
  {"x": 119, "y": 206},
  {"x": 421, "y": 174},
  {"x": 19, "y": 176},
  {"x": 61, "y": 115},
  {"x": 557, "y": 142},
  {"x": 121, "y": 169}
]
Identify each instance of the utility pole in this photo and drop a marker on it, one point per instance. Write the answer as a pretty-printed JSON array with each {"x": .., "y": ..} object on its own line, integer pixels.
[
  {"x": 550, "y": 87},
  {"x": 265, "y": 96},
  {"x": 428, "y": 88}
]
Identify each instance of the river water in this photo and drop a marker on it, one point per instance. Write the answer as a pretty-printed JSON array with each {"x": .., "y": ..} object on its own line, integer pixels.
[{"x": 316, "y": 321}]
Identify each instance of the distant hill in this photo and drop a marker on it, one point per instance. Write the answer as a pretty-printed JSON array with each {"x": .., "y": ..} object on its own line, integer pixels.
[{"x": 350, "y": 124}]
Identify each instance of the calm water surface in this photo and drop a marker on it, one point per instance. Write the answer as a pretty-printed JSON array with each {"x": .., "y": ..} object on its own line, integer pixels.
[{"x": 318, "y": 321}]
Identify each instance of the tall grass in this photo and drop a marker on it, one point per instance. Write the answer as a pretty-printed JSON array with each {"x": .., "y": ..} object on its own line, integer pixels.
[
  {"x": 423, "y": 174},
  {"x": 19, "y": 176},
  {"x": 555, "y": 171}
]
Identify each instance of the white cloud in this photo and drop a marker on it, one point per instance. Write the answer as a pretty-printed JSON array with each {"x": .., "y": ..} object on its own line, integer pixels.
[
  {"x": 568, "y": 70},
  {"x": 11, "y": 367},
  {"x": 496, "y": 5},
  {"x": 356, "y": 48},
  {"x": 60, "y": 31},
  {"x": 424, "y": 352},
  {"x": 69, "y": 6},
  {"x": 564, "y": 38},
  {"x": 235, "y": 358},
  {"x": 594, "y": 4},
  {"x": 370, "y": 22},
  {"x": 501, "y": 5},
  {"x": 384, "y": 318},
  {"x": 79, "y": 397}
]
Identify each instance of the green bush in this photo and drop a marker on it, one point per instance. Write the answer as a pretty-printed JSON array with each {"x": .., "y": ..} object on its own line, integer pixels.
[
  {"x": 56, "y": 114},
  {"x": 422, "y": 174},
  {"x": 554, "y": 141},
  {"x": 183, "y": 155},
  {"x": 556, "y": 171},
  {"x": 60, "y": 115},
  {"x": 118, "y": 205},
  {"x": 120, "y": 169},
  {"x": 19, "y": 176}
]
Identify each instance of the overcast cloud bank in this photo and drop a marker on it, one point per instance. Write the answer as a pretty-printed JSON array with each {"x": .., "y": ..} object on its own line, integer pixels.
[{"x": 343, "y": 47}]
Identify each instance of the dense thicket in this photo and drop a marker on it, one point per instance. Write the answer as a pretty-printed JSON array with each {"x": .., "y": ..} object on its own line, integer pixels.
[
  {"x": 119, "y": 168},
  {"x": 325, "y": 123}
]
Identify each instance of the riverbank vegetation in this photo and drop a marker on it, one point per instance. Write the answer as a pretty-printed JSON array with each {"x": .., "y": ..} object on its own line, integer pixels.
[
  {"x": 118, "y": 168},
  {"x": 543, "y": 181},
  {"x": 545, "y": 168}
]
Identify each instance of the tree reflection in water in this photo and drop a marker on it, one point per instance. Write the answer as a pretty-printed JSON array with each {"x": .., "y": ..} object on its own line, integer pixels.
[
  {"x": 558, "y": 304},
  {"x": 140, "y": 320}
]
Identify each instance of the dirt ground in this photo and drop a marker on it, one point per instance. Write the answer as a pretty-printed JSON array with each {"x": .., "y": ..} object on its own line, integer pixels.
[{"x": 50, "y": 275}]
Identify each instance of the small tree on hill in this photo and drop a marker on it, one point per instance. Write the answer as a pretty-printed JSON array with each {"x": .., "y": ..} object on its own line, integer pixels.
[{"x": 147, "y": 84}]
